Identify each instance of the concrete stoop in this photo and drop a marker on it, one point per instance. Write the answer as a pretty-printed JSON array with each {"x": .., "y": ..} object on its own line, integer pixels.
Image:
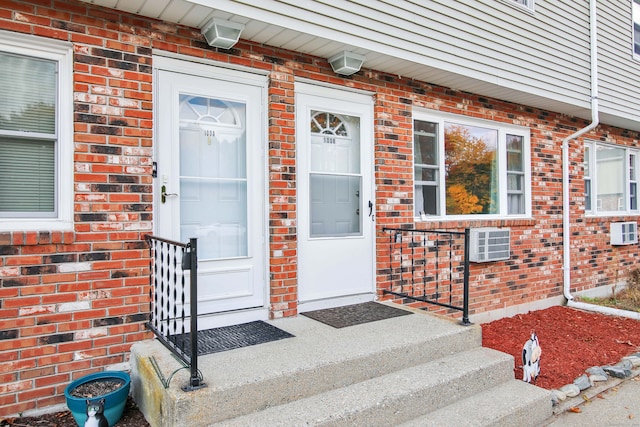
[{"x": 415, "y": 370}]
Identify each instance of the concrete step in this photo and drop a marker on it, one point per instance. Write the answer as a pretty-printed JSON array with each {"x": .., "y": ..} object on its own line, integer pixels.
[
  {"x": 318, "y": 359},
  {"x": 408, "y": 369},
  {"x": 513, "y": 403},
  {"x": 392, "y": 398}
]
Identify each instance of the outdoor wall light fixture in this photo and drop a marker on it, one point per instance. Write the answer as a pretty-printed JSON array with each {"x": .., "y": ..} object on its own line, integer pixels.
[
  {"x": 346, "y": 63},
  {"x": 221, "y": 33}
]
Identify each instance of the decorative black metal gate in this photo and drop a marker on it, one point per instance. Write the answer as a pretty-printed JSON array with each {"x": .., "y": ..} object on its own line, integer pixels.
[
  {"x": 169, "y": 262},
  {"x": 430, "y": 266}
]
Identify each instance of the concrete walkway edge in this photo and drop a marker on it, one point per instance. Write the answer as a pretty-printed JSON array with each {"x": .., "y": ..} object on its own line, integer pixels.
[{"x": 611, "y": 403}]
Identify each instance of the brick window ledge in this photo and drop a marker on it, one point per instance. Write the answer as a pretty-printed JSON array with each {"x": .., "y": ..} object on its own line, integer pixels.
[
  {"x": 606, "y": 219},
  {"x": 462, "y": 224},
  {"x": 32, "y": 238}
]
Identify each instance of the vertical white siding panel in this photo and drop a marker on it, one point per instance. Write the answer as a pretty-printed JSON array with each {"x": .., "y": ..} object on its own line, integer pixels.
[{"x": 619, "y": 71}]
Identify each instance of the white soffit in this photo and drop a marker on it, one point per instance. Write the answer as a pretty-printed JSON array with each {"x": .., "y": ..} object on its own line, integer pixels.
[{"x": 296, "y": 34}]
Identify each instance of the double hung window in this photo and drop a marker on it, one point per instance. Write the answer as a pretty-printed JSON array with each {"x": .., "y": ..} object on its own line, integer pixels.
[
  {"x": 35, "y": 133},
  {"x": 469, "y": 168},
  {"x": 610, "y": 179}
]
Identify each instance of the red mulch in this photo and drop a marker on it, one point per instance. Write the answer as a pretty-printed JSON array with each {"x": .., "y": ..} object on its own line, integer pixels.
[{"x": 571, "y": 341}]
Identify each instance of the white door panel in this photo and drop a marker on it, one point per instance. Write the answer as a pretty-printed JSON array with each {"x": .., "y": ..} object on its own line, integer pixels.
[
  {"x": 335, "y": 227},
  {"x": 210, "y": 163}
]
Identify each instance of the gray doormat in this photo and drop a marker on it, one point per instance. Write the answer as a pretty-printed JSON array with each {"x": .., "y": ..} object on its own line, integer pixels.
[
  {"x": 349, "y": 315},
  {"x": 232, "y": 337}
]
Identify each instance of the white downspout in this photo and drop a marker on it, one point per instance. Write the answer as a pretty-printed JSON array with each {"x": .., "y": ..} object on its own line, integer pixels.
[{"x": 566, "y": 207}]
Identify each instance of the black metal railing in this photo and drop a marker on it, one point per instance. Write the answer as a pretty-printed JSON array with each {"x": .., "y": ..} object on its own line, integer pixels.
[
  {"x": 169, "y": 262},
  {"x": 430, "y": 266}
]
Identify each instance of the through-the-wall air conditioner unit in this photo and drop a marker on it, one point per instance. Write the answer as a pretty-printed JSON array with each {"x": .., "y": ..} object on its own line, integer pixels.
[
  {"x": 624, "y": 233},
  {"x": 489, "y": 244}
]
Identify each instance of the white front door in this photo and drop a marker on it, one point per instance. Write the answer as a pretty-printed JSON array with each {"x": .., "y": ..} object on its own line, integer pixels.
[
  {"x": 210, "y": 186},
  {"x": 335, "y": 197}
]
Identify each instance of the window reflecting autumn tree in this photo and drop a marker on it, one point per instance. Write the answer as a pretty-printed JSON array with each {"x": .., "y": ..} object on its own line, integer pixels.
[{"x": 471, "y": 170}]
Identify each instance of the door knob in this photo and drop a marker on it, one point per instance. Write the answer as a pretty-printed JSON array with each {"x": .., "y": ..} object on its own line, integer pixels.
[{"x": 164, "y": 194}]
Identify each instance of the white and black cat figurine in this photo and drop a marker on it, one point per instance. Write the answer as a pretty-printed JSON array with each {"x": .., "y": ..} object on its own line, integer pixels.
[{"x": 95, "y": 414}]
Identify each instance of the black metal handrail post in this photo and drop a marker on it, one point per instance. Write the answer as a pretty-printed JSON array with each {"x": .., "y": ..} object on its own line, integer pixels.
[
  {"x": 465, "y": 299},
  {"x": 168, "y": 264},
  {"x": 194, "y": 381}
]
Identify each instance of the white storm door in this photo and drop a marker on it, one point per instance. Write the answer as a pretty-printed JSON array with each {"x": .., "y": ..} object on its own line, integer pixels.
[
  {"x": 335, "y": 196},
  {"x": 209, "y": 156}
]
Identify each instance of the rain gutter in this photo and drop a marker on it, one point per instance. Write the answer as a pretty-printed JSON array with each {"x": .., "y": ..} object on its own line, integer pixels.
[{"x": 566, "y": 207}]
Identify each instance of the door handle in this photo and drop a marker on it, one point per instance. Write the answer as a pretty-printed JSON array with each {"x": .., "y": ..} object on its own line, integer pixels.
[
  {"x": 370, "y": 208},
  {"x": 164, "y": 194}
]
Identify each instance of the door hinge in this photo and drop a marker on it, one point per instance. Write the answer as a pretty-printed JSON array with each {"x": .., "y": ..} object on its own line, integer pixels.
[{"x": 154, "y": 170}]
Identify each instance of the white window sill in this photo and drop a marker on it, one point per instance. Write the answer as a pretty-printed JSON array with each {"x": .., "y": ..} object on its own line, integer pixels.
[{"x": 35, "y": 225}]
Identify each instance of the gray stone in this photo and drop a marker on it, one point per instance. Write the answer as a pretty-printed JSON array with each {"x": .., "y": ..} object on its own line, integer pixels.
[
  {"x": 570, "y": 390},
  {"x": 617, "y": 371},
  {"x": 635, "y": 360},
  {"x": 596, "y": 370},
  {"x": 582, "y": 382},
  {"x": 625, "y": 364},
  {"x": 594, "y": 378},
  {"x": 557, "y": 396}
]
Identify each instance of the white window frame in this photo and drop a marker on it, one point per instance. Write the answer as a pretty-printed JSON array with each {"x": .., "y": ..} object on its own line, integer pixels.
[
  {"x": 503, "y": 130},
  {"x": 529, "y": 4},
  {"x": 62, "y": 53},
  {"x": 598, "y": 208},
  {"x": 635, "y": 21},
  {"x": 588, "y": 181}
]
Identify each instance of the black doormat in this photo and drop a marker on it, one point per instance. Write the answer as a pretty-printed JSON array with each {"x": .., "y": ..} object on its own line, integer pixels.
[
  {"x": 232, "y": 337},
  {"x": 349, "y": 315}
]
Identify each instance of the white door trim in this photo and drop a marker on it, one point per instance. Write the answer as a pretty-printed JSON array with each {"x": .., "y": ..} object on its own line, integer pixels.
[
  {"x": 210, "y": 70},
  {"x": 346, "y": 102}
]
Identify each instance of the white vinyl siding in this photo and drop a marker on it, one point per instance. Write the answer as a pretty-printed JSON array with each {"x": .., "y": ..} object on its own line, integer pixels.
[
  {"x": 36, "y": 147},
  {"x": 482, "y": 46},
  {"x": 525, "y": 3},
  {"x": 536, "y": 57},
  {"x": 539, "y": 57},
  {"x": 489, "y": 41},
  {"x": 618, "y": 66}
]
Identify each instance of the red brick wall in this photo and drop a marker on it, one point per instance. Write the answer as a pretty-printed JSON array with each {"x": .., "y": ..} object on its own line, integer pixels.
[
  {"x": 74, "y": 302},
  {"x": 282, "y": 189}
]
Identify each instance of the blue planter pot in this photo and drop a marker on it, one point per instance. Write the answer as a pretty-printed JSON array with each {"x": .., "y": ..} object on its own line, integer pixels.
[{"x": 114, "y": 402}]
